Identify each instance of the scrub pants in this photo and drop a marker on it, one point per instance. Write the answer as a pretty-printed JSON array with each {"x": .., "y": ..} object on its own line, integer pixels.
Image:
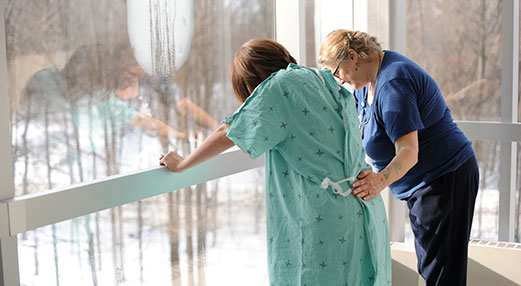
[{"x": 441, "y": 219}]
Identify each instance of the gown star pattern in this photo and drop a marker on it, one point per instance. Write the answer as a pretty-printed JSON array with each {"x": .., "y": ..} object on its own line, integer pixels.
[{"x": 296, "y": 117}]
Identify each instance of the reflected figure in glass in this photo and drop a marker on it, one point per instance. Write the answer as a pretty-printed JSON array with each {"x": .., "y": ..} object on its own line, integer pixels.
[{"x": 84, "y": 96}]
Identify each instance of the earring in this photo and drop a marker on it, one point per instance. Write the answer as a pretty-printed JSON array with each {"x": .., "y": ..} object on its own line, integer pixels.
[{"x": 357, "y": 66}]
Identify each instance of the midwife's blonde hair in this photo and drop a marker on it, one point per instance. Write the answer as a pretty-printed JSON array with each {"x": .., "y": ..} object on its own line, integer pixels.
[{"x": 337, "y": 44}]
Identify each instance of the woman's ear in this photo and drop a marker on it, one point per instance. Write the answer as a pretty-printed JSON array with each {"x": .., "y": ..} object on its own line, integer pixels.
[{"x": 353, "y": 55}]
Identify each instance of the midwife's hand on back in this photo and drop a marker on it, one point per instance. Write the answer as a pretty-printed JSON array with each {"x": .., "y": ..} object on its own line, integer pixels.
[
  {"x": 171, "y": 160},
  {"x": 369, "y": 185}
]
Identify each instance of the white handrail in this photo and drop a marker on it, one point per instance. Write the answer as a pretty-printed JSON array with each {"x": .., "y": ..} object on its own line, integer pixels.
[
  {"x": 485, "y": 130},
  {"x": 28, "y": 212},
  {"x": 48, "y": 207}
]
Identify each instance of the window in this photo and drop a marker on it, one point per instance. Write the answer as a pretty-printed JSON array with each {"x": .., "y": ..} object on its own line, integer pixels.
[
  {"x": 323, "y": 17},
  {"x": 463, "y": 48},
  {"x": 486, "y": 211},
  {"x": 92, "y": 96},
  {"x": 459, "y": 44},
  {"x": 98, "y": 89}
]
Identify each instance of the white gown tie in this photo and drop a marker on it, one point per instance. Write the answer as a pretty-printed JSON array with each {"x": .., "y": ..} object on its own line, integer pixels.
[{"x": 336, "y": 186}]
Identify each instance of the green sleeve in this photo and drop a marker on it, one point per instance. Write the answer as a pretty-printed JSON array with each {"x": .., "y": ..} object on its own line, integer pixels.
[{"x": 260, "y": 123}]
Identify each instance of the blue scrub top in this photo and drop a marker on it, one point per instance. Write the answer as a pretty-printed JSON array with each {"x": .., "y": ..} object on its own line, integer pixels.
[{"x": 408, "y": 99}]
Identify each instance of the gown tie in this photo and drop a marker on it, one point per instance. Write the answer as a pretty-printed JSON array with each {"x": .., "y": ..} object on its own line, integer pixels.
[{"x": 335, "y": 186}]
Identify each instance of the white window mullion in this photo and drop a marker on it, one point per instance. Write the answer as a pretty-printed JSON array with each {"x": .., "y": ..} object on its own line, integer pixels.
[
  {"x": 509, "y": 105},
  {"x": 387, "y": 21},
  {"x": 397, "y": 42},
  {"x": 9, "y": 274},
  {"x": 290, "y": 27}
]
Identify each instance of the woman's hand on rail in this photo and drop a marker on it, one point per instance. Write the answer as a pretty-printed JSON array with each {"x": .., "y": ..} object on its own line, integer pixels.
[
  {"x": 171, "y": 160},
  {"x": 216, "y": 143}
]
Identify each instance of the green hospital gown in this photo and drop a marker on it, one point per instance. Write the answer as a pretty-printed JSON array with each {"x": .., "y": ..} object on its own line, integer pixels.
[
  {"x": 98, "y": 117},
  {"x": 307, "y": 125}
]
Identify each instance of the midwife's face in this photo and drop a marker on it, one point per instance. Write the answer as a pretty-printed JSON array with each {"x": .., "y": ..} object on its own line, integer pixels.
[{"x": 347, "y": 72}]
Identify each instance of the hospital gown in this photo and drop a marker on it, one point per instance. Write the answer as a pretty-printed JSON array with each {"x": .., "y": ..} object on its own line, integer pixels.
[{"x": 307, "y": 125}]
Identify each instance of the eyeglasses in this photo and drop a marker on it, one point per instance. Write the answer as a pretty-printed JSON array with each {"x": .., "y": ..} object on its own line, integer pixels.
[
  {"x": 343, "y": 52},
  {"x": 336, "y": 69}
]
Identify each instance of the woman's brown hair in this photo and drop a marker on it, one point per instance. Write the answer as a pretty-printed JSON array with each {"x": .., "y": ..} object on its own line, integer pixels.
[
  {"x": 88, "y": 69},
  {"x": 255, "y": 61}
]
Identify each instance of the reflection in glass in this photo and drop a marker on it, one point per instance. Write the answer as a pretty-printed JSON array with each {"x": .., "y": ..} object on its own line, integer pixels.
[
  {"x": 459, "y": 44},
  {"x": 85, "y": 105},
  {"x": 160, "y": 33},
  {"x": 92, "y": 96}
]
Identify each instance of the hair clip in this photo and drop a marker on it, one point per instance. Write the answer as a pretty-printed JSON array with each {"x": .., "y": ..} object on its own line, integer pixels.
[{"x": 349, "y": 35}]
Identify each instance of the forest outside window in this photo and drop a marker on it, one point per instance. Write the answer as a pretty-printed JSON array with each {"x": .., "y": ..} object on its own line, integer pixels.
[{"x": 103, "y": 87}]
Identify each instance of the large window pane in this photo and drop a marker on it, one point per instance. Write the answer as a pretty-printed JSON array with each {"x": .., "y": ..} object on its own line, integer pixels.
[
  {"x": 459, "y": 43},
  {"x": 204, "y": 235},
  {"x": 89, "y": 100},
  {"x": 98, "y": 88},
  {"x": 486, "y": 213}
]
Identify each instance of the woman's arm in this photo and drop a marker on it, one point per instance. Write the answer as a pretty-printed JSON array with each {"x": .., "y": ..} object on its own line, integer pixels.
[
  {"x": 186, "y": 105},
  {"x": 215, "y": 144},
  {"x": 370, "y": 184},
  {"x": 154, "y": 127}
]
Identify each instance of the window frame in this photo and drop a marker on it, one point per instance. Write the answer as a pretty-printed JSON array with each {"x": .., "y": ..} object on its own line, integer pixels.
[
  {"x": 9, "y": 273},
  {"x": 390, "y": 27}
]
